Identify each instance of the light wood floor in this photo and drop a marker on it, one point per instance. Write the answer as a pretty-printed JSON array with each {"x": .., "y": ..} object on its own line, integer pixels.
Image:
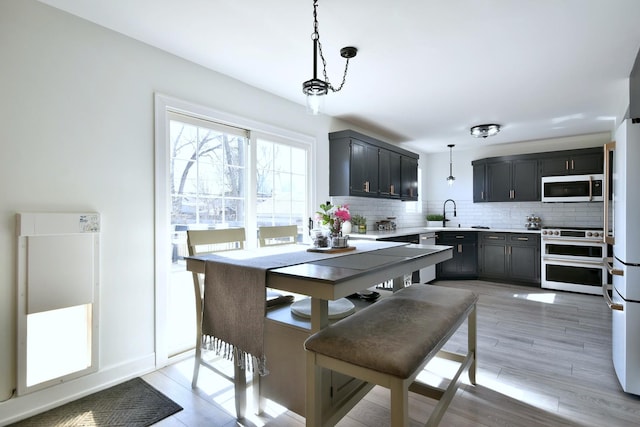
[{"x": 544, "y": 359}]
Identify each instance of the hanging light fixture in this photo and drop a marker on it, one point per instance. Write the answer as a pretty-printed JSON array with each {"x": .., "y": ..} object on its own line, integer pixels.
[
  {"x": 450, "y": 178},
  {"x": 315, "y": 88},
  {"x": 483, "y": 131}
]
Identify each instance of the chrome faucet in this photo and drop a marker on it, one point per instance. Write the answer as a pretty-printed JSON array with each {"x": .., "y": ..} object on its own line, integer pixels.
[{"x": 444, "y": 212}]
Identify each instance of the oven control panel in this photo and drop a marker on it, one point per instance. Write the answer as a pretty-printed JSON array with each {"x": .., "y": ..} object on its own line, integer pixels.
[{"x": 573, "y": 234}]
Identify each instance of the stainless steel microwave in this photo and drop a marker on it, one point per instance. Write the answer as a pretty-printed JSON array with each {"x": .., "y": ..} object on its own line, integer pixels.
[{"x": 573, "y": 188}]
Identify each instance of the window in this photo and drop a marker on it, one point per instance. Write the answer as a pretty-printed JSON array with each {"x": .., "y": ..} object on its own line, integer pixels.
[
  {"x": 216, "y": 170},
  {"x": 281, "y": 182},
  {"x": 208, "y": 176}
]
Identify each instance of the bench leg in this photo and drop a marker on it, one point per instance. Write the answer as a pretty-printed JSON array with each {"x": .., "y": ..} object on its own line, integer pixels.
[
  {"x": 313, "y": 401},
  {"x": 399, "y": 403},
  {"x": 472, "y": 343}
]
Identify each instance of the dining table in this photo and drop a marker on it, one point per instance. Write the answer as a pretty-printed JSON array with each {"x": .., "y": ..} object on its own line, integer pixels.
[{"x": 322, "y": 275}]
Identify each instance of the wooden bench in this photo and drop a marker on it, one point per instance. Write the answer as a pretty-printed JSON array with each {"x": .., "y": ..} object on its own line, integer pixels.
[{"x": 390, "y": 343}]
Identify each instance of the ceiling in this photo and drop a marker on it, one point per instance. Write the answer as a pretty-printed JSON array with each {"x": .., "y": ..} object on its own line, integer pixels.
[{"x": 426, "y": 70}]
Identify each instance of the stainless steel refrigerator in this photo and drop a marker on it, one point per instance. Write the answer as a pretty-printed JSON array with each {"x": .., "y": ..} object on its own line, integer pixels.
[{"x": 625, "y": 295}]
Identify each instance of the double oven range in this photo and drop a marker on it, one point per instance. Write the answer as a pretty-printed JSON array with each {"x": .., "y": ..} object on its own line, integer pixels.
[{"x": 573, "y": 259}]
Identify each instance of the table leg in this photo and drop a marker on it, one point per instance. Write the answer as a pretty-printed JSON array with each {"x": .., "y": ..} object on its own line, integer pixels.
[{"x": 319, "y": 314}]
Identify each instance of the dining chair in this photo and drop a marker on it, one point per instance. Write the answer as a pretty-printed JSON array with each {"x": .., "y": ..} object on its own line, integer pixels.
[
  {"x": 278, "y": 235},
  {"x": 212, "y": 241}
]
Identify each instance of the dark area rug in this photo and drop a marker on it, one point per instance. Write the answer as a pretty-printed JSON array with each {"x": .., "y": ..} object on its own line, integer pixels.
[{"x": 133, "y": 404}]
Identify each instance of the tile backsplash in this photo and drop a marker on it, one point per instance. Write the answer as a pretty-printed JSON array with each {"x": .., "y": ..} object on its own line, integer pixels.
[{"x": 508, "y": 215}]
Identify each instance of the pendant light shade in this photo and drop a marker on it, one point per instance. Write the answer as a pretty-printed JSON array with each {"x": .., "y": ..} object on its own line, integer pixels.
[{"x": 450, "y": 178}]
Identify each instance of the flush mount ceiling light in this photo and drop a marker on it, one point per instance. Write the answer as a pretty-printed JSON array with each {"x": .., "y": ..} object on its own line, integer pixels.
[
  {"x": 315, "y": 88},
  {"x": 483, "y": 131},
  {"x": 450, "y": 178}
]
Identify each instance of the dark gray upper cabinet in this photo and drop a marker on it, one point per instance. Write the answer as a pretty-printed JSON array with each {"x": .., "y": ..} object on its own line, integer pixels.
[
  {"x": 575, "y": 162},
  {"x": 517, "y": 178},
  {"x": 506, "y": 181},
  {"x": 363, "y": 166}
]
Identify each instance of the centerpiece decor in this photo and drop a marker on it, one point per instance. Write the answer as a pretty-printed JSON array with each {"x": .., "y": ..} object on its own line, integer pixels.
[{"x": 333, "y": 217}]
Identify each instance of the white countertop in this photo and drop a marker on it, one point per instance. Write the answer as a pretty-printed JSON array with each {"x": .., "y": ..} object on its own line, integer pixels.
[{"x": 371, "y": 234}]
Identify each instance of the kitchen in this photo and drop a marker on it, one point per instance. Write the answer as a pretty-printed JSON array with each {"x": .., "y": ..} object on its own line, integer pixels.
[{"x": 83, "y": 176}]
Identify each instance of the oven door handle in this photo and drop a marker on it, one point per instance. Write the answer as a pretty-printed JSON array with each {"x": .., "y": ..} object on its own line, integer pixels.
[
  {"x": 572, "y": 261},
  {"x": 590, "y": 189},
  {"x": 608, "y": 262},
  {"x": 607, "y": 298}
]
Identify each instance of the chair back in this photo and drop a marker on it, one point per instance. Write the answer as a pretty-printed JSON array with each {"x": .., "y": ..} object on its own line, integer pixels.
[
  {"x": 278, "y": 235},
  {"x": 210, "y": 241}
]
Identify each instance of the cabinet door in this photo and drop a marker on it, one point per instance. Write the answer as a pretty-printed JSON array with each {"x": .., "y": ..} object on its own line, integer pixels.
[
  {"x": 467, "y": 260},
  {"x": 554, "y": 166},
  {"x": 586, "y": 164},
  {"x": 389, "y": 173},
  {"x": 524, "y": 258},
  {"x": 464, "y": 264},
  {"x": 499, "y": 181},
  {"x": 526, "y": 181},
  {"x": 364, "y": 169},
  {"x": 409, "y": 177},
  {"x": 479, "y": 189},
  {"x": 492, "y": 255},
  {"x": 524, "y": 263}
]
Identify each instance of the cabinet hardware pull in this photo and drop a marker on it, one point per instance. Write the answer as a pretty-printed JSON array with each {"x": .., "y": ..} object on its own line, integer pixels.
[
  {"x": 391, "y": 189},
  {"x": 366, "y": 186},
  {"x": 459, "y": 237},
  {"x": 608, "y": 262},
  {"x": 523, "y": 238},
  {"x": 566, "y": 165},
  {"x": 482, "y": 195},
  {"x": 493, "y": 237},
  {"x": 607, "y": 298},
  {"x": 459, "y": 249},
  {"x": 572, "y": 165}
]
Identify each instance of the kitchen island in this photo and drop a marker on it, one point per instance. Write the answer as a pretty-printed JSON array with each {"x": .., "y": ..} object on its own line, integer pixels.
[{"x": 324, "y": 280}]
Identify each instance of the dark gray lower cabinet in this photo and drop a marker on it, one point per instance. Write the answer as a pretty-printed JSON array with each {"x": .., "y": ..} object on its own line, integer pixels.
[
  {"x": 464, "y": 264},
  {"x": 509, "y": 257}
]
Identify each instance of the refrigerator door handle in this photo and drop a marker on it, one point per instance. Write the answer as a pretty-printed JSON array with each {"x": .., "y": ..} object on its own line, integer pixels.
[
  {"x": 607, "y": 298},
  {"x": 609, "y": 235},
  {"x": 608, "y": 262}
]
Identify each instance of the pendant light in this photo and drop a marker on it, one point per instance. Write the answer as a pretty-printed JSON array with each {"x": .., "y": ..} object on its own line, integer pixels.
[
  {"x": 450, "y": 178},
  {"x": 316, "y": 89}
]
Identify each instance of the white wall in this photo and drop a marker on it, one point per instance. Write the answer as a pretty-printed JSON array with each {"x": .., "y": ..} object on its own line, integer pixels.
[{"x": 76, "y": 113}]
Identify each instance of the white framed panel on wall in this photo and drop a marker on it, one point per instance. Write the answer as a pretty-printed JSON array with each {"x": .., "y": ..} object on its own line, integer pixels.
[{"x": 58, "y": 297}]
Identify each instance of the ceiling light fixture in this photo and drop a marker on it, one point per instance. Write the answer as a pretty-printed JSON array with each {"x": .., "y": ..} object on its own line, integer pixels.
[
  {"x": 450, "y": 178},
  {"x": 315, "y": 88},
  {"x": 483, "y": 131}
]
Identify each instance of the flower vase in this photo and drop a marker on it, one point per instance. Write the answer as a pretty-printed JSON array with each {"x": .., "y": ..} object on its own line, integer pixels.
[{"x": 346, "y": 227}]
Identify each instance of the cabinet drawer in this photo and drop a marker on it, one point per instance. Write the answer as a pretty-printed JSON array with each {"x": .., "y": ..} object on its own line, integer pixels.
[
  {"x": 524, "y": 239},
  {"x": 493, "y": 237},
  {"x": 452, "y": 237}
]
